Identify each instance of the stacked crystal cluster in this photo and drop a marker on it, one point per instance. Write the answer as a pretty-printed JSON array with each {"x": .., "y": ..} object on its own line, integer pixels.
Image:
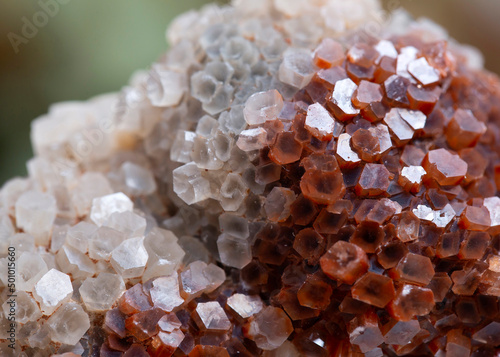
[{"x": 284, "y": 181}]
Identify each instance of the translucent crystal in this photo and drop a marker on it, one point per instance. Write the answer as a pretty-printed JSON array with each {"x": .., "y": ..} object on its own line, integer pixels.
[
  {"x": 68, "y": 324},
  {"x": 269, "y": 328},
  {"x": 22, "y": 307},
  {"x": 190, "y": 185},
  {"x": 52, "y": 290},
  {"x": 99, "y": 294},
  {"x": 165, "y": 254},
  {"x": 91, "y": 185},
  {"x": 30, "y": 268},
  {"x": 129, "y": 258},
  {"x": 165, "y": 292},
  {"x": 344, "y": 151},
  {"x": 278, "y": 202},
  {"x": 212, "y": 316},
  {"x": 341, "y": 99},
  {"x": 103, "y": 241},
  {"x": 244, "y": 305},
  {"x": 201, "y": 278},
  {"x": 263, "y": 106},
  {"x": 35, "y": 214},
  {"x": 423, "y": 72},
  {"x": 386, "y": 48},
  {"x": 233, "y": 251},
  {"x": 319, "y": 122},
  {"x": 204, "y": 155},
  {"x": 297, "y": 68},
  {"x": 166, "y": 87},
  {"x": 234, "y": 225},
  {"x": 252, "y": 139},
  {"x": 74, "y": 262},
  {"x": 79, "y": 235},
  {"x": 401, "y": 130},
  {"x": 103, "y": 207},
  {"x": 233, "y": 191},
  {"x": 129, "y": 223},
  {"x": 138, "y": 180},
  {"x": 182, "y": 146}
]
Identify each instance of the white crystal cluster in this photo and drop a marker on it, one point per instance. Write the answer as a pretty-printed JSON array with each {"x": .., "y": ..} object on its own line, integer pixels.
[{"x": 157, "y": 183}]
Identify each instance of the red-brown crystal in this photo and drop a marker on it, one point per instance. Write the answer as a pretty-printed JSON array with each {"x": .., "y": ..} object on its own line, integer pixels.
[{"x": 374, "y": 229}]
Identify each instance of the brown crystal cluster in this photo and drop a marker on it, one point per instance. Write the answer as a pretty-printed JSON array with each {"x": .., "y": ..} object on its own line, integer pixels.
[{"x": 381, "y": 235}]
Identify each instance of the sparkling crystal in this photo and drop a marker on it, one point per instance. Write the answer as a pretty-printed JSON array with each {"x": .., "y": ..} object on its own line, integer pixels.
[
  {"x": 212, "y": 316},
  {"x": 103, "y": 207},
  {"x": 165, "y": 293},
  {"x": 68, "y": 324},
  {"x": 99, "y": 294},
  {"x": 35, "y": 214},
  {"x": 269, "y": 328},
  {"x": 52, "y": 290},
  {"x": 297, "y": 68},
  {"x": 319, "y": 122},
  {"x": 129, "y": 259},
  {"x": 263, "y": 106}
]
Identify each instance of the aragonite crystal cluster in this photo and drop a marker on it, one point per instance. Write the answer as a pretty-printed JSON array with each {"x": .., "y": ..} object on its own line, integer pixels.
[{"x": 284, "y": 181}]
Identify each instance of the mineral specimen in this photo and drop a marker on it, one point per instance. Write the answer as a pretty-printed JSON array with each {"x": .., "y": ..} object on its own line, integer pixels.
[{"x": 282, "y": 182}]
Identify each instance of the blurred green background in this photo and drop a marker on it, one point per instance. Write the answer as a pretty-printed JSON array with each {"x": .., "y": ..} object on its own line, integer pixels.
[{"x": 93, "y": 46}]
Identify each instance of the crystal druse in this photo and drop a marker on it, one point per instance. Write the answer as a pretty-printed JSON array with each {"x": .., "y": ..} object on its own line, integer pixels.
[{"x": 285, "y": 181}]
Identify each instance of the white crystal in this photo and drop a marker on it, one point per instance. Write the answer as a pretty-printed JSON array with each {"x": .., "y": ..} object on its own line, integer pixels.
[
  {"x": 182, "y": 146},
  {"x": 319, "y": 122},
  {"x": 30, "y": 268},
  {"x": 423, "y": 71},
  {"x": 245, "y": 305},
  {"x": 89, "y": 186},
  {"x": 252, "y": 139},
  {"x": 207, "y": 126},
  {"x": 74, "y": 262},
  {"x": 103, "y": 241},
  {"x": 344, "y": 150},
  {"x": 35, "y": 214},
  {"x": 129, "y": 258},
  {"x": 165, "y": 254},
  {"x": 99, "y": 294},
  {"x": 270, "y": 328},
  {"x": 415, "y": 118},
  {"x": 22, "y": 242},
  {"x": 414, "y": 174},
  {"x": 386, "y": 48},
  {"x": 165, "y": 293},
  {"x": 190, "y": 185},
  {"x": 22, "y": 307},
  {"x": 297, "y": 68},
  {"x": 79, "y": 235},
  {"x": 165, "y": 87},
  {"x": 233, "y": 191},
  {"x": 201, "y": 278},
  {"x": 493, "y": 206},
  {"x": 129, "y": 223},
  {"x": 203, "y": 154},
  {"x": 263, "y": 106},
  {"x": 212, "y": 316},
  {"x": 138, "y": 180},
  {"x": 68, "y": 324},
  {"x": 407, "y": 55},
  {"x": 52, "y": 290},
  {"x": 342, "y": 96},
  {"x": 103, "y": 207}
]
